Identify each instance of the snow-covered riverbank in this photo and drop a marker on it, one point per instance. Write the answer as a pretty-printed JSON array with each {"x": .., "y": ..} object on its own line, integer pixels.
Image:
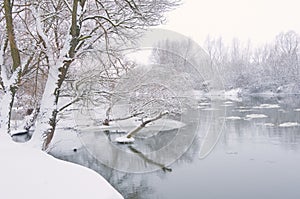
[{"x": 28, "y": 173}]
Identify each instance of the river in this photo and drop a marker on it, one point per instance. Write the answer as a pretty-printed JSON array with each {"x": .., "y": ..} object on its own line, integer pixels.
[{"x": 227, "y": 150}]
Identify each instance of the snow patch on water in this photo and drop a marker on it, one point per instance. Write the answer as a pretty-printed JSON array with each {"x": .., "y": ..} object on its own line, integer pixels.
[
  {"x": 256, "y": 116},
  {"x": 244, "y": 110},
  {"x": 233, "y": 118},
  {"x": 124, "y": 139},
  {"x": 204, "y": 104},
  {"x": 269, "y": 124},
  {"x": 265, "y": 106},
  {"x": 243, "y": 107},
  {"x": 227, "y": 105},
  {"x": 289, "y": 124},
  {"x": 210, "y": 109}
]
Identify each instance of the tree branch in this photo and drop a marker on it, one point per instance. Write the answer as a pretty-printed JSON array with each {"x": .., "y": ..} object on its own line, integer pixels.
[
  {"x": 69, "y": 104},
  {"x": 127, "y": 117},
  {"x": 137, "y": 129}
]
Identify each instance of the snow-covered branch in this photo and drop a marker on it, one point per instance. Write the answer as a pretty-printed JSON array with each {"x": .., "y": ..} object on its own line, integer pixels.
[{"x": 144, "y": 123}]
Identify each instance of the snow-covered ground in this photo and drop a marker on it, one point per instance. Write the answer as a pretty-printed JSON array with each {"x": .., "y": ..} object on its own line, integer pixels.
[{"x": 28, "y": 173}]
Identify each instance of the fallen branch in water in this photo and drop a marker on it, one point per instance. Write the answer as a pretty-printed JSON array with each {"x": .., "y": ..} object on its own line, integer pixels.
[{"x": 141, "y": 126}]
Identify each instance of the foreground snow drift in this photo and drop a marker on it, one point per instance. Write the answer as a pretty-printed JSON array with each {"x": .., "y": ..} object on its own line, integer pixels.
[{"x": 31, "y": 174}]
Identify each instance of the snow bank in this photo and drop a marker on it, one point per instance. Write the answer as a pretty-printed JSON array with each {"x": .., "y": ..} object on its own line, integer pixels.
[
  {"x": 32, "y": 174},
  {"x": 233, "y": 94}
]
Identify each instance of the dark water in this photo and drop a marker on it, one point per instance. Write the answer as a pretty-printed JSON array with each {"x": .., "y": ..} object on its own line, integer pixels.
[{"x": 253, "y": 158}]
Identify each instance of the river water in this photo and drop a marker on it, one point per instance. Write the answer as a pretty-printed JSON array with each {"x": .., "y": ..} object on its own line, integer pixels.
[{"x": 228, "y": 150}]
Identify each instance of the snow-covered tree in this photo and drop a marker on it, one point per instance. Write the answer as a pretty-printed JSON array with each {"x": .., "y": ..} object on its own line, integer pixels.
[
  {"x": 19, "y": 58},
  {"x": 58, "y": 33}
]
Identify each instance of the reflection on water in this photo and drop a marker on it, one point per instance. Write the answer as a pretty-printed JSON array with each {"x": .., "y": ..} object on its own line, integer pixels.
[{"x": 254, "y": 157}]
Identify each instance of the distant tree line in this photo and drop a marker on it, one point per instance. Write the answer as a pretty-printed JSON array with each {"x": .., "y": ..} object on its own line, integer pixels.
[{"x": 273, "y": 67}]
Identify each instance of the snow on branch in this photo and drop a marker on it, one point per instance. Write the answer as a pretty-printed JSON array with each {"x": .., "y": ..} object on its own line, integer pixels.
[
  {"x": 41, "y": 33},
  {"x": 127, "y": 117},
  {"x": 137, "y": 129}
]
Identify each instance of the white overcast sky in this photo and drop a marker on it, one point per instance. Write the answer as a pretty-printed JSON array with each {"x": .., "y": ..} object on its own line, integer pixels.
[{"x": 258, "y": 20}]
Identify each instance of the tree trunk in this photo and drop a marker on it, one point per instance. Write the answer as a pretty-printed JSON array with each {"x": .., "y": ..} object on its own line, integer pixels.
[
  {"x": 47, "y": 119},
  {"x": 7, "y": 103}
]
